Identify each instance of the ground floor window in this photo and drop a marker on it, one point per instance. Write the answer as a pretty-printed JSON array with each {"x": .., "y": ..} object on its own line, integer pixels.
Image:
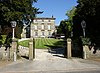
[
  {"x": 42, "y": 33},
  {"x": 36, "y": 33},
  {"x": 49, "y": 33}
]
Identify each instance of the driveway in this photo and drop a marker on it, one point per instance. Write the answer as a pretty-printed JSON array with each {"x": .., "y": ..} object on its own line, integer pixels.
[{"x": 45, "y": 62}]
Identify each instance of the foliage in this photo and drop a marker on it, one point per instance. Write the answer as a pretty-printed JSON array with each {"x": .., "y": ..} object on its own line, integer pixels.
[
  {"x": 2, "y": 39},
  {"x": 85, "y": 41},
  {"x": 62, "y": 28},
  {"x": 65, "y": 28},
  {"x": 8, "y": 39},
  {"x": 88, "y": 10},
  {"x": 89, "y": 7},
  {"x": 71, "y": 14},
  {"x": 18, "y": 31},
  {"x": 15, "y": 9}
]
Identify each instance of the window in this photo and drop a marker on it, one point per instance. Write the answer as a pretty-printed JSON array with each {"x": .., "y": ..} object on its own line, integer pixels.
[
  {"x": 48, "y": 20},
  {"x": 36, "y": 33},
  {"x": 42, "y": 23},
  {"x": 35, "y": 27},
  {"x": 35, "y": 20},
  {"x": 42, "y": 26},
  {"x": 49, "y": 33},
  {"x": 42, "y": 33},
  {"x": 49, "y": 23},
  {"x": 42, "y": 20},
  {"x": 49, "y": 27}
]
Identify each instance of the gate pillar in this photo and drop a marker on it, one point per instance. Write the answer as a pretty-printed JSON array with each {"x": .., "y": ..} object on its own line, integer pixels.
[
  {"x": 13, "y": 50},
  {"x": 69, "y": 54},
  {"x": 31, "y": 49}
]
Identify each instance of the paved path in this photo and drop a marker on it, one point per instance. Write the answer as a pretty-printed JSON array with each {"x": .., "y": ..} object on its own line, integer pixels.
[{"x": 50, "y": 63}]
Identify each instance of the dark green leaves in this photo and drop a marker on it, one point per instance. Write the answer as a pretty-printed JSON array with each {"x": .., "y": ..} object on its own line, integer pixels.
[{"x": 14, "y": 9}]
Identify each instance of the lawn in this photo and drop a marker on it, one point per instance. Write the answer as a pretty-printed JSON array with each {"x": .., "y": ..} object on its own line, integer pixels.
[{"x": 43, "y": 43}]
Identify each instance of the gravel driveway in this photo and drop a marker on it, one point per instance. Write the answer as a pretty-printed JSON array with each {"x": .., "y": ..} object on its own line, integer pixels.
[{"x": 50, "y": 62}]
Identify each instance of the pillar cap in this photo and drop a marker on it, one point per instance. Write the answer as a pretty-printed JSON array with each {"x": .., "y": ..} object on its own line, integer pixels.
[
  {"x": 68, "y": 39},
  {"x": 14, "y": 40}
]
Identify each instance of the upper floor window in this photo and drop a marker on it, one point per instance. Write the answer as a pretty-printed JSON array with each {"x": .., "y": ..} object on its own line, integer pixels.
[
  {"x": 36, "y": 20},
  {"x": 35, "y": 27},
  {"x": 42, "y": 20},
  {"x": 49, "y": 33},
  {"x": 42, "y": 26},
  {"x": 36, "y": 33},
  {"x": 42, "y": 23},
  {"x": 49, "y": 27},
  {"x": 49, "y": 23}
]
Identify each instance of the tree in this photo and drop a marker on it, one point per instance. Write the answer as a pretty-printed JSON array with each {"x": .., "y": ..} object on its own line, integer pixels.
[
  {"x": 89, "y": 10},
  {"x": 71, "y": 14},
  {"x": 62, "y": 28},
  {"x": 15, "y": 9},
  {"x": 65, "y": 28}
]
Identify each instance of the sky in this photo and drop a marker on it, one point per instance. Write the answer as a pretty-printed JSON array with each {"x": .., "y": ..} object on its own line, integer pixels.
[{"x": 55, "y": 8}]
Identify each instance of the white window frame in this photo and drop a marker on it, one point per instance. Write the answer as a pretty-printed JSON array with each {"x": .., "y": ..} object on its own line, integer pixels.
[
  {"x": 49, "y": 27},
  {"x": 35, "y": 27},
  {"x": 42, "y": 26},
  {"x": 36, "y": 33}
]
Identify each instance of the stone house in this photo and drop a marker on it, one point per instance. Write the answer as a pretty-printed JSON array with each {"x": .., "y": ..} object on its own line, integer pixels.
[{"x": 41, "y": 27}]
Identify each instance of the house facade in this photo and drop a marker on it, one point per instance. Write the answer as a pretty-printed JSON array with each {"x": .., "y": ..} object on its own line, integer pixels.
[{"x": 42, "y": 27}]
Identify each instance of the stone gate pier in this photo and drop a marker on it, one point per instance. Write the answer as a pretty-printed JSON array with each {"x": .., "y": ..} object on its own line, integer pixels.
[
  {"x": 69, "y": 49},
  {"x": 31, "y": 49}
]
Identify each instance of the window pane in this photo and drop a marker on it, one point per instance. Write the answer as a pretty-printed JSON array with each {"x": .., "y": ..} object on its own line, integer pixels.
[
  {"x": 48, "y": 27},
  {"x": 42, "y": 33},
  {"x": 36, "y": 33},
  {"x": 42, "y": 26},
  {"x": 35, "y": 26}
]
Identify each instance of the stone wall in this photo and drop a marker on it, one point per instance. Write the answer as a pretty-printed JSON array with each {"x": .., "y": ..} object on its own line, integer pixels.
[
  {"x": 93, "y": 52},
  {"x": 4, "y": 55},
  {"x": 23, "y": 51}
]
